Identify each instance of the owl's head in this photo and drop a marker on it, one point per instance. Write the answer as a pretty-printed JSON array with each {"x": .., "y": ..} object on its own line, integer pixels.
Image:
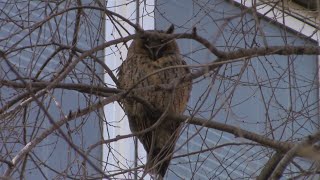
[{"x": 154, "y": 45}]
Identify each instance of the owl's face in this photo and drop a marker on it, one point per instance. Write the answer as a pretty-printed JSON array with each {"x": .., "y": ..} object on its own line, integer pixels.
[{"x": 155, "y": 46}]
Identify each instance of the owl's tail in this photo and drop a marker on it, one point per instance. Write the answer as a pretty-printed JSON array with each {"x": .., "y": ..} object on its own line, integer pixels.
[{"x": 159, "y": 161}]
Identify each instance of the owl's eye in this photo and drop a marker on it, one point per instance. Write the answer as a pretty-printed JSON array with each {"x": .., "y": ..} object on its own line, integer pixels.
[
  {"x": 147, "y": 41},
  {"x": 145, "y": 38},
  {"x": 164, "y": 41}
]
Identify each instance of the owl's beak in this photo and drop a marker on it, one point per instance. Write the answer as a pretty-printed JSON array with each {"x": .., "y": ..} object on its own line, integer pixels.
[{"x": 154, "y": 52}]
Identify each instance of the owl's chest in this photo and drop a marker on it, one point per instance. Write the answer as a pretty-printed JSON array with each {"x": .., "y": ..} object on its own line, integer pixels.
[{"x": 139, "y": 71}]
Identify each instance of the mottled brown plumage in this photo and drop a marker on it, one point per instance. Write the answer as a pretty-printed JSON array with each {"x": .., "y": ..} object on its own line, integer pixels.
[{"x": 145, "y": 56}]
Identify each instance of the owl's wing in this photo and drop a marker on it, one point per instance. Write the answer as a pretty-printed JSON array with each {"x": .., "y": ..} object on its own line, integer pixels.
[{"x": 160, "y": 142}]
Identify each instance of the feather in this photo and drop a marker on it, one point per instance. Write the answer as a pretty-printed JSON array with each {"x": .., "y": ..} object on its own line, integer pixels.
[{"x": 158, "y": 143}]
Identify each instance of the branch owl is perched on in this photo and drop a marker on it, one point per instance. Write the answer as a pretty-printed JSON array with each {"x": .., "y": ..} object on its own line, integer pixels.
[{"x": 146, "y": 55}]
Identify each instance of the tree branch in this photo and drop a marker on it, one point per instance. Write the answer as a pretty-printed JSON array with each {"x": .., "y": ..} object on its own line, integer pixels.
[
  {"x": 306, "y": 145},
  {"x": 270, "y": 166},
  {"x": 310, "y": 152}
]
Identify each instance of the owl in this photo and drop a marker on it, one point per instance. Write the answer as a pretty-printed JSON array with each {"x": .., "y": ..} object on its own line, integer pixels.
[{"x": 147, "y": 55}]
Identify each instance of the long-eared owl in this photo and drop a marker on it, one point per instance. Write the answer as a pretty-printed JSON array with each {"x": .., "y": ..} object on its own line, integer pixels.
[{"x": 146, "y": 55}]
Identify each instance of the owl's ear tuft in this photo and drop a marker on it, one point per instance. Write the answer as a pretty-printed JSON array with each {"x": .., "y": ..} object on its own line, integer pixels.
[{"x": 170, "y": 29}]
